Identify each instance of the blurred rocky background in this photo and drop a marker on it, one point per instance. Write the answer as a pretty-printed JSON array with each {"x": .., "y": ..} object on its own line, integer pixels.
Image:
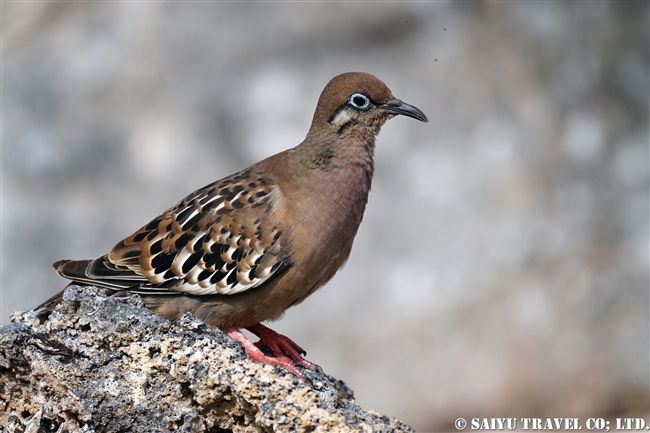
[{"x": 502, "y": 266}]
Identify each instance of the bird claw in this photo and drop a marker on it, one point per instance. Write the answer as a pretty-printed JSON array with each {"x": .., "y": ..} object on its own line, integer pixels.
[
  {"x": 281, "y": 345},
  {"x": 285, "y": 350}
]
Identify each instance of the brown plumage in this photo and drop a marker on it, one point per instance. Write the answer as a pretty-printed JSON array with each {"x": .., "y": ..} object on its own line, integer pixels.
[{"x": 247, "y": 247}]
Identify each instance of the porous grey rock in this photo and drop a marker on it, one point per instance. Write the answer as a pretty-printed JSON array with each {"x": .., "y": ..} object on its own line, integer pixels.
[{"x": 106, "y": 364}]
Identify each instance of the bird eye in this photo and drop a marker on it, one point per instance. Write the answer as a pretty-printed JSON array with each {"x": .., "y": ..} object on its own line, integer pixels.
[{"x": 359, "y": 101}]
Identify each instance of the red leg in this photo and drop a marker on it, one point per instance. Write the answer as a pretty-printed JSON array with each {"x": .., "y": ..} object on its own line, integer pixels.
[
  {"x": 255, "y": 354},
  {"x": 281, "y": 345}
]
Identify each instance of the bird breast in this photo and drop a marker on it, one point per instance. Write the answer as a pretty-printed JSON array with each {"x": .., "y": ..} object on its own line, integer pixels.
[{"x": 325, "y": 216}]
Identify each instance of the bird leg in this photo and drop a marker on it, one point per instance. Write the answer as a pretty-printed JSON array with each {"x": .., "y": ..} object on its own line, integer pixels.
[
  {"x": 281, "y": 345},
  {"x": 256, "y": 355}
]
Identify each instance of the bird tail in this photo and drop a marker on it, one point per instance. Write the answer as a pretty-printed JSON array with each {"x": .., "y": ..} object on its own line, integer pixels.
[
  {"x": 80, "y": 273},
  {"x": 99, "y": 272},
  {"x": 67, "y": 269},
  {"x": 45, "y": 309},
  {"x": 72, "y": 269}
]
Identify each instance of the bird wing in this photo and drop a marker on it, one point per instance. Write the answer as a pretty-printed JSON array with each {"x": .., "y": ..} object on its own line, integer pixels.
[{"x": 218, "y": 240}]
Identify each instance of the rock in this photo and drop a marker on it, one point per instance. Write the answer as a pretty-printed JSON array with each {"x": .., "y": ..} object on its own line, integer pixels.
[{"x": 108, "y": 364}]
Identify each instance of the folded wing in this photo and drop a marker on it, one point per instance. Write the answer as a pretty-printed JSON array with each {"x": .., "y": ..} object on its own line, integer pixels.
[{"x": 219, "y": 240}]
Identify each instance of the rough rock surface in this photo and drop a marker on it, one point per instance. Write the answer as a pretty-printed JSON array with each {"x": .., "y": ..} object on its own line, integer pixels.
[{"x": 108, "y": 364}]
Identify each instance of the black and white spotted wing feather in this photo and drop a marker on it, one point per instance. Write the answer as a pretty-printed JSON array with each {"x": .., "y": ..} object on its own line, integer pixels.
[{"x": 218, "y": 240}]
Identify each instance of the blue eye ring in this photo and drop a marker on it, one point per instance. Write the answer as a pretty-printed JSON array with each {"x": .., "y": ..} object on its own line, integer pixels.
[{"x": 359, "y": 101}]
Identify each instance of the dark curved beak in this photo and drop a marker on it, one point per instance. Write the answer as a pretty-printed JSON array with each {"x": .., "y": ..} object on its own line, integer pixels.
[{"x": 397, "y": 107}]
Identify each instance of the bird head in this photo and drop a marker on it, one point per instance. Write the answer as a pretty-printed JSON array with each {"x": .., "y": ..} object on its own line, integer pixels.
[{"x": 359, "y": 100}]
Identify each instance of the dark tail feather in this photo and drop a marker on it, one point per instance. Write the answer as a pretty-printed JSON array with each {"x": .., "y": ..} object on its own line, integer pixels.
[
  {"x": 96, "y": 273},
  {"x": 51, "y": 303},
  {"x": 45, "y": 309},
  {"x": 100, "y": 273},
  {"x": 57, "y": 265},
  {"x": 70, "y": 269}
]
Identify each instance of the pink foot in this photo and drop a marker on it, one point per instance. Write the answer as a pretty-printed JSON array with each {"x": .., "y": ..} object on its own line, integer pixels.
[
  {"x": 272, "y": 339},
  {"x": 281, "y": 345}
]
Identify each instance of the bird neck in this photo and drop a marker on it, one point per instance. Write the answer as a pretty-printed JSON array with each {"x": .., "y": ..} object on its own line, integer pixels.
[
  {"x": 332, "y": 179},
  {"x": 328, "y": 186},
  {"x": 328, "y": 151}
]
